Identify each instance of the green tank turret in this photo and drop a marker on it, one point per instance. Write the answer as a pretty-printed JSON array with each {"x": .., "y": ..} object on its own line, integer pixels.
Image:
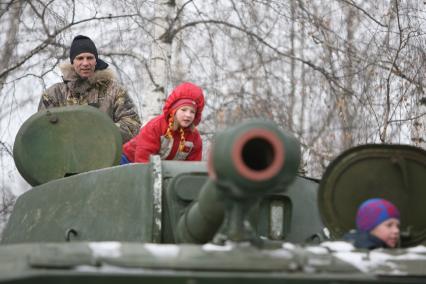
[{"x": 243, "y": 215}]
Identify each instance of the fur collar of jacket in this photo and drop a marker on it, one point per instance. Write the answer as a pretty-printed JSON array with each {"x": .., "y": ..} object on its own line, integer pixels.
[{"x": 69, "y": 74}]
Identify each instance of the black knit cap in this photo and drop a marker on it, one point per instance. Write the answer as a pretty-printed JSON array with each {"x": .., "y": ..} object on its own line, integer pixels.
[{"x": 82, "y": 44}]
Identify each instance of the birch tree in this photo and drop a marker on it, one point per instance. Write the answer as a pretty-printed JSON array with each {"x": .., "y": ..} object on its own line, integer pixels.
[{"x": 159, "y": 63}]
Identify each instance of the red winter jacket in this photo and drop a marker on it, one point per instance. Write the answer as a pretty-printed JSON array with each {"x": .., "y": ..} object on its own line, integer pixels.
[{"x": 151, "y": 138}]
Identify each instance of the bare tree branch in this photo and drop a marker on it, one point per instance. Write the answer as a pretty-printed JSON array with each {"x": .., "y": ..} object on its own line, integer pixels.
[{"x": 51, "y": 39}]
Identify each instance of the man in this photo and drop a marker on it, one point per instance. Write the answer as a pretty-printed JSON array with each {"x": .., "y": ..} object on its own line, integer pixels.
[{"x": 88, "y": 81}]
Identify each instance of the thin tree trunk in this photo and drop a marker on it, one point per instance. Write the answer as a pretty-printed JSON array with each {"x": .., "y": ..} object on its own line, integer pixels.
[
  {"x": 179, "y": 70},
  {"x": 6, "y": 53},
  {"x": 346, "y": 118},
  {"x": 293, "y": 82},
  {"x": 159, "y": 64},
  {"x": 418, "y": 135}
]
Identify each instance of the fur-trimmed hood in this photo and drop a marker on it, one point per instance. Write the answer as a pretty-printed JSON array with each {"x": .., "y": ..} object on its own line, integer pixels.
[{"x": 69, "y": 74}]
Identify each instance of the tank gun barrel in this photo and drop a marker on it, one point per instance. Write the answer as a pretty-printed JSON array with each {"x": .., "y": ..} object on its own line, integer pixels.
[{"x": 247, "y": 162}]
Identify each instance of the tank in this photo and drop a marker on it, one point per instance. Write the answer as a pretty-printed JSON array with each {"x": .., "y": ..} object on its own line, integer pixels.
[{"x": 243, "y": 215}]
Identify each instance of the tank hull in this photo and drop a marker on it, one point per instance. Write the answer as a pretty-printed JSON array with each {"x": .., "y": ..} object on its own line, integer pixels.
[{"x": 107, "y": 262}]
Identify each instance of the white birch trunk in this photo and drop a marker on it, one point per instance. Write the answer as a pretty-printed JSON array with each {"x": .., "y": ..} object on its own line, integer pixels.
[
  {"x": 177, "y": 65},
  {"x": 418, "y": 136},
  {"x": 157, "y": 76},
  {"x": 6, "y": 53},
  {"x": 422, "y": 132}
]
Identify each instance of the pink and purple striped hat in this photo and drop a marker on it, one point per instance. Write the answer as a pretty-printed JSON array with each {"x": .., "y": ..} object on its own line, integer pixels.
[{"x": 373, "y": 212}]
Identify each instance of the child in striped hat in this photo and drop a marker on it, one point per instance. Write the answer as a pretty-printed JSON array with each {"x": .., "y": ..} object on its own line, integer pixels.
[{"x": 377, "y": 222}]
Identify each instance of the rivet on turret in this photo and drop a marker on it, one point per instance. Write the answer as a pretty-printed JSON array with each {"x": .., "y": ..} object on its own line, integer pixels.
[{"x": 52, "y": 118}]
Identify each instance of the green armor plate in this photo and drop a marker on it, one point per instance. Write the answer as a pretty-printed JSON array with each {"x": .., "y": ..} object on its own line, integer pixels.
[{"x": 65, "y": 141}]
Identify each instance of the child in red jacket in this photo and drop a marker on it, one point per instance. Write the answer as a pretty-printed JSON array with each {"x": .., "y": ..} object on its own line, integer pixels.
[{"x": 172, "y": 135}]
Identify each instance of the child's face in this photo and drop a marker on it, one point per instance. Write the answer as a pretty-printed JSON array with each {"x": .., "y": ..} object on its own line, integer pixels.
[
  {"x": 388, "y": 231},
  {"x": 185, "y": 116}
]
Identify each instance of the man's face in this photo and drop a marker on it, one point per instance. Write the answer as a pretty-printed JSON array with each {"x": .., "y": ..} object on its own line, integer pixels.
[
  {"x": 84, "y": 64},
  {"x": 388, "y": 231}
]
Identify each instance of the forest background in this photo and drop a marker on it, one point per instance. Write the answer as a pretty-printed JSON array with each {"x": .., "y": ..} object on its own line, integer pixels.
[{"x": 335, "y": 73}]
